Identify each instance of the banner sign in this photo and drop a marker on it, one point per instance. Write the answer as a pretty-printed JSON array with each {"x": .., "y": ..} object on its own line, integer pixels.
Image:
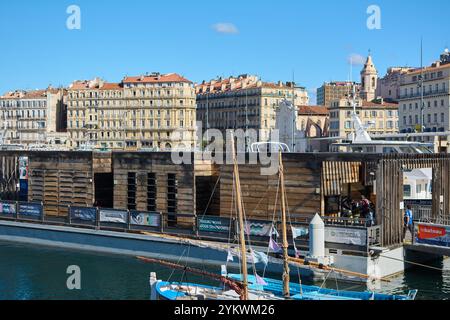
[
  {"x": 23, "y": 168},
  {"x": 7, "y": 208},
  {"x": 214, "y": 224},
  {"x": 114, "y": 216},
  {"x": 149, "y": 219},
  {"x": 84, "y": 214},
  {"x": 433, "y": 235},
  {"x": 30, "y": 209},
  {"x": 419, "y": 202},
  {"x": 259, "y": 229},
  {"x": 356, "y": 237}
]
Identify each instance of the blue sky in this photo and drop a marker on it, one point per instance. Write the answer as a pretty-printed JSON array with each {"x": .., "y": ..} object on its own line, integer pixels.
[{"x": 204, "y": 39}]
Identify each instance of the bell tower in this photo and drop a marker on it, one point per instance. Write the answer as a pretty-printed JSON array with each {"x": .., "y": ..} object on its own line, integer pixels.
[{"x": 369, "y": 79}]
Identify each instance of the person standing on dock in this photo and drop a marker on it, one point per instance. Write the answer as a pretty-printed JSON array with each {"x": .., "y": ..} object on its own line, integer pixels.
[{"x": 408, "y": 221}]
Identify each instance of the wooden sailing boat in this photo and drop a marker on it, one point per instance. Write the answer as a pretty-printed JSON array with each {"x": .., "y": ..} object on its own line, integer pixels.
[{"x": 233, "y": 289}]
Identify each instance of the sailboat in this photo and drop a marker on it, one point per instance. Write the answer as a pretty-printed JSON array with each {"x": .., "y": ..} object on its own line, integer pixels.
[
  {"x": 284, "y": 288},
  {"x": 232, "y": 289}
]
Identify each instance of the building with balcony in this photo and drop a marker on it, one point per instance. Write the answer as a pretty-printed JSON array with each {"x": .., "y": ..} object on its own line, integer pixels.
[
  {"x": 244, "y": 102},
  {"x": 152, "y": 111},
  {"x": 33, "y": 117},
  {"x": 429, "y": 85},
  {"x": 388, "y": 87}
]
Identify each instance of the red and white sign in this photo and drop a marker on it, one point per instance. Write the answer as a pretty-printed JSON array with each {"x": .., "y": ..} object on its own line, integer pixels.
[{"x": 430, "y": 232}]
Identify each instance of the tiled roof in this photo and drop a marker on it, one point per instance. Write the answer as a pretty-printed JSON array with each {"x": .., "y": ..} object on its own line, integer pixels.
[
  {"x": 111, "y": 86},
  {"x": 369, "y": 104},
  {"x": 34, "y": 94},
  {"x": 85, "y": 85},
  {"x": 313, "y": 110},
  {"x": 427, "y": 69},
  {"x": 171, "y": 77}
]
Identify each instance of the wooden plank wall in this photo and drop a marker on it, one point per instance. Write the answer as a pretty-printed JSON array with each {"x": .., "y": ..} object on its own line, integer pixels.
[
  {"x": 302, "y": 181},
  {"x": 337, "y": 173},
  {"x": 59, "y": 179},
  {"x": 160, "y": 164},
  {"x": 9, "y": 175}
]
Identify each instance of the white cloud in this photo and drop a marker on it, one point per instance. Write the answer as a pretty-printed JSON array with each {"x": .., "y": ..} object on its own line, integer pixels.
[
  {"x": 356, "y": 59},
  {"x": 225, "y": 27}
]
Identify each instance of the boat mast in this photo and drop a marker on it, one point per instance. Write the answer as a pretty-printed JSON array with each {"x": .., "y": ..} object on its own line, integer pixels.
[
  {"x": 286, "y": 272},
  {"x": 243, "y": 248}
]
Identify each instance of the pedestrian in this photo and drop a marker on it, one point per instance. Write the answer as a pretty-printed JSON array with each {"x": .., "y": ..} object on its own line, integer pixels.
[
  {"x": 365, "y": 207},
  {"x": 408, "y": 221}
]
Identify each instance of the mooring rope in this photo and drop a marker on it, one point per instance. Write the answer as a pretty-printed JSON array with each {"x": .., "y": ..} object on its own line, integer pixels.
[{"x": 413, "y": 263}]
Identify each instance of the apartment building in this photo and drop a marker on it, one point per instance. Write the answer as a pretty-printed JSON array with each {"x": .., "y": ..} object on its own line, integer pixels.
[
  {"x": 244, "y": 102},
  {"x": 388, "y": 87},
  {"x": 332, "y": 91},
  {"x": 380, "y": 117},
  {"x": 434, "y": 89},
  {"x": 436, "y": 97},
  {"x": 154, "y": 111},
  {"x": 33, "y": 117}
]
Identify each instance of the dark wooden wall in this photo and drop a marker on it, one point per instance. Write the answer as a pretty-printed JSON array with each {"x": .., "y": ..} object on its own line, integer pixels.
[
  {"x": 59, "y": 179},
  {"x": 160, "y": 164},
  {"x": 302, "y": 182}
]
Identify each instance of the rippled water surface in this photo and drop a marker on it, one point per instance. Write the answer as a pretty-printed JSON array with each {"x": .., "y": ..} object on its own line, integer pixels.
[{"x": 32, "y": 272}]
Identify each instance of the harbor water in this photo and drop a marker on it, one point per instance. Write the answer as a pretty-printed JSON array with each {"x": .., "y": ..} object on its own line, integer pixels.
[{"x": 36, "y": 273}]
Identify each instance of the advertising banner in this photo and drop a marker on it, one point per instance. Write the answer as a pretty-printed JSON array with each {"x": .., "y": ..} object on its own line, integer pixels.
[
  {"x": 352, "y": 236},
  {"x": 148, "y": 219},
  {"x": 114, "y": 216},
  {"x": 259, "y": 229},
  {"x": 7, "y": 208},
  {"x": 83, "y": 214},
  {"x": 214, "y": 224},
  {"x": 433, "y": 235},
  {"x": 30, "y": 209},
  {"x": 23, "y": 168}
]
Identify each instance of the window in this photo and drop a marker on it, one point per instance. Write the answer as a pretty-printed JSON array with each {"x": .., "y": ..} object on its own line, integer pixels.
[
  {"x": 132, "y": 191},
  {"x": 172, "y": 190},
  {"x": 407, "y": 190},
  {"x": 419, "y": 188},
  {"x": 151, "y": 192}
]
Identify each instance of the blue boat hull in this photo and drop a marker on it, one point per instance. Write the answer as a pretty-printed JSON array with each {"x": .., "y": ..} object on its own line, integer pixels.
[{"x": 305, "y": 292}]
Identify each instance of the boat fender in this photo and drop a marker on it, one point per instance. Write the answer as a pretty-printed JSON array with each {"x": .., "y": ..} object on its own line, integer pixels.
[
  {"x": 306, "y": 263},
  {"x": 321, "y": 266}
]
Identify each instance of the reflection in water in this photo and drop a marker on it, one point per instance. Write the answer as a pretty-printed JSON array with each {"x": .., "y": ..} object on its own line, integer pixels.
[{"x": 30, "y": 272}]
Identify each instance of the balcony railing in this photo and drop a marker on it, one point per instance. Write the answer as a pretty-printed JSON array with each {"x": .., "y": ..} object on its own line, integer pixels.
[{"x": 425, "y": 94}]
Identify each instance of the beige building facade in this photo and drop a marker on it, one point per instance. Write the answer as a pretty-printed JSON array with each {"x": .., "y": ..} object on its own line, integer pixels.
[
  {"x": 332, "y": 91},
  {"x": 154, "y": 111},
  {"x": 33, "y": 117},
  {"x": 381, "y": 117},
  {"x": 436, "y": 99},
  {"x": 244, "y": 102},
  {"x": 388, "y": 87}
]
